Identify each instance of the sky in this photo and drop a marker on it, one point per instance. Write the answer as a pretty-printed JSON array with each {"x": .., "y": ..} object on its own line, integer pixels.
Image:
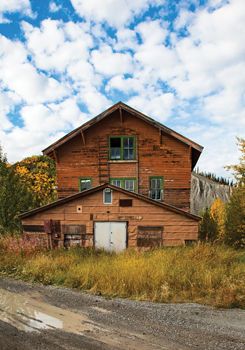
[{"x": 181, "y": 62}]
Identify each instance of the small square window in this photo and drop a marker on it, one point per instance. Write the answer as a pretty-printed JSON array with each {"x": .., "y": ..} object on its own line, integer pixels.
[{"x": 85, "y": 183}]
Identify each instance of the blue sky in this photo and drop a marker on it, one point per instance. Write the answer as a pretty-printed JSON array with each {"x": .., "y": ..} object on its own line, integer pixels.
[{"x": 180, "y": 62}]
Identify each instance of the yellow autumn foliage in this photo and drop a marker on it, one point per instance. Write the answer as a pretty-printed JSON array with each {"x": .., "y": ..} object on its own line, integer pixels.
[
  {"x": 39, "y": 174},
  {"x": 217, "y": 213}
]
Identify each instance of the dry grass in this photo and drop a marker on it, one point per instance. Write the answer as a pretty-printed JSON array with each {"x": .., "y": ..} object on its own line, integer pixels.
[{"x": 212, "y": 275}]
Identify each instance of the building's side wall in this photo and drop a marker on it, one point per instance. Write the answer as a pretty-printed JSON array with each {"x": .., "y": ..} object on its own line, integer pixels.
[
  {"x": 157, "y": 155},
  {"x": 176, "y": 227}
]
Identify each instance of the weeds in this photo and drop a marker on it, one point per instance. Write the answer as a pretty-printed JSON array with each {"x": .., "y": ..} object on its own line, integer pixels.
[{"x": 208, "y": 274}]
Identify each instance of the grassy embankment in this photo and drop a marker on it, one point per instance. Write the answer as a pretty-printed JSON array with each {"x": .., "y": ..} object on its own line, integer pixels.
[{"x": 212, "y": 275}]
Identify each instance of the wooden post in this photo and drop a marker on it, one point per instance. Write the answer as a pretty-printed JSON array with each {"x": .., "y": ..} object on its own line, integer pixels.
[
  {"x": 120, "y": 112},
  {"x": 83, "y": 137},
  {"x": 55, "y": 156}
]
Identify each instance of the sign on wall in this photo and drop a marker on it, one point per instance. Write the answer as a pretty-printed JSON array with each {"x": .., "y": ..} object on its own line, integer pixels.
[{"x": 149, "y": 236}]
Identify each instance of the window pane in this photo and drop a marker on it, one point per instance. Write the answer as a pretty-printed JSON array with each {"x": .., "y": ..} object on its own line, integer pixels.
[
  {"x": 159, "y": 184},
  {"x": 113, "y": 153},
  {"x": 125, "y": 142},
  {"x": 153, "y": 184},
  {"x": 131, "y": 154},
  {"x": 118, "y": 153},
  {"x": 131, "y": 142},
  {"x": 115, "y": 142},
  {"x": 158, "y": 194},
  {"x": 152, "y": 194},
  {"x": 85, "y": 185},
  {"x": 126, "y": 154}
]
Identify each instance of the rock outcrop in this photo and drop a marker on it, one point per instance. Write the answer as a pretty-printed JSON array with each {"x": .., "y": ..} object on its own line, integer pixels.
[{"x": 205, "y": 191}]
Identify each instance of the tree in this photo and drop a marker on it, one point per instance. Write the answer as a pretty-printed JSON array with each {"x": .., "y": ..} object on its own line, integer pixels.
[
  {"x": 38, "y": 173},
  {"x": 239, "y": 170},
  {"x": 217, "y": 213},
  {"x": 208, "y": 227},
  {"x": 235, "y": 209},
  {"x": 235, "y": 219},
  {"x": 14, "y": 197}
]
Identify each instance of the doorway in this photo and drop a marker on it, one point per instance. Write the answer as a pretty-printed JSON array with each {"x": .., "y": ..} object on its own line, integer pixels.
[{"x": 111, "y": 236}]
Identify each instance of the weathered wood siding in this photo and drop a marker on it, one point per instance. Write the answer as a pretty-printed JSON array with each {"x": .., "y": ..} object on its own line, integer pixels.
[
  {"x": 157, "y": 155},
  {"x": 176, "y": 227}
]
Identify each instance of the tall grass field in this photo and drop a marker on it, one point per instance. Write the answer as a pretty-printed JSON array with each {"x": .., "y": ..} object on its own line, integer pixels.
[{"x": 207, "y": 274}]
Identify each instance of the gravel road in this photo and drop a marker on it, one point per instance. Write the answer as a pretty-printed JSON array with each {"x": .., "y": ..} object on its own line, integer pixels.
[{"x": 119, "y": 323}]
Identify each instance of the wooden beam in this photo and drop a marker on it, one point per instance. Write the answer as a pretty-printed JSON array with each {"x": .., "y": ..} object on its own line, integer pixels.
[
  {"x": 160, "y": 137},
  {"x": 83, "y": 137},
  {"x": 55, "y": 156},
  {"x": 120, "y": 112}
]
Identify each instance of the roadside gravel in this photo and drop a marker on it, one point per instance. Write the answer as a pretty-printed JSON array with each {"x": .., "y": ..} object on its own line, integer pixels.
[{"x": 127, "y": 324}]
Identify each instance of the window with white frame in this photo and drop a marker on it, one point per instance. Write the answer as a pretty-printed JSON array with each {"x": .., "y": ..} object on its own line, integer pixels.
[{"x": 107, "y": 194}]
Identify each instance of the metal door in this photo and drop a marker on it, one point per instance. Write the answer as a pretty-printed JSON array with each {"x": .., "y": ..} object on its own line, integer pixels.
[{"x": 110, "y": 235}]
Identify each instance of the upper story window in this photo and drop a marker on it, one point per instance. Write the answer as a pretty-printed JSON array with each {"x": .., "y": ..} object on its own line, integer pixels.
[
  {"x": 156, "y": 187},
  {"x": 85, "y": 183},
  {"x": 122, "y": 147},
  {"x": 126, "y": 183}
]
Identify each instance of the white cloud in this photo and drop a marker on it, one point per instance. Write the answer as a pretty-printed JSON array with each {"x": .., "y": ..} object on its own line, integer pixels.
[
  {"x": 53, "y": 7},
  {"x": 158, "y": 107},
  {"x": 56, "y": 45},
  {"x": 116, "y": 13},
  {"x": 62, "y": 116},
  {"x": 8, "y": 6},
  {"x": 20, "y": 76},
  {"x": 109, "y": 63}
]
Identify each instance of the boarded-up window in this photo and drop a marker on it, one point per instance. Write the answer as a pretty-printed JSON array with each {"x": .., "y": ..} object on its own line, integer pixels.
[
  {"x": 125, "y": 202},
  {"x": 149, "y": 236},
  {"x": 73, "y": 234},
  {"x": 33, "y": 228}
]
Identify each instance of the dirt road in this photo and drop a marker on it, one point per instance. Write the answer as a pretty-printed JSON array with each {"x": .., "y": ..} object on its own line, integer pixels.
[{"x": 53, "y": 318}]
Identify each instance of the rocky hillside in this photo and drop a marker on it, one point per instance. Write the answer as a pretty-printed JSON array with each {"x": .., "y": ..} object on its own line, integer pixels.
[{"x": 205, "y": 191}]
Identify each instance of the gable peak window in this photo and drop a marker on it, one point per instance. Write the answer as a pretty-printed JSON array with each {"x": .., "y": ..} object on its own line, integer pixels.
[{"x": 122, "y": 147}]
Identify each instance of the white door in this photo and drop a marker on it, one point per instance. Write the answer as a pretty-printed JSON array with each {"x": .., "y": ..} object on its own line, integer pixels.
[{"x": 110, "y": 235}]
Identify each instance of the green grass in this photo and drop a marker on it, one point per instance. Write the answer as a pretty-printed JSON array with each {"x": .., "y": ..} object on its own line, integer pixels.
[{"x": 208, "y": 274}]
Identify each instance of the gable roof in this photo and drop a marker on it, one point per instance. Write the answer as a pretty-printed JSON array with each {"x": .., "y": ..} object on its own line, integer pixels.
[
  {"x": 101, "y": 187},
  {"x": 196, "y": 149}
]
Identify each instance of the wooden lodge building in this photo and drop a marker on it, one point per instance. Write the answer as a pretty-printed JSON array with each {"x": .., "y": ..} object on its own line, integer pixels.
[{"x": 123, "y": 181}]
